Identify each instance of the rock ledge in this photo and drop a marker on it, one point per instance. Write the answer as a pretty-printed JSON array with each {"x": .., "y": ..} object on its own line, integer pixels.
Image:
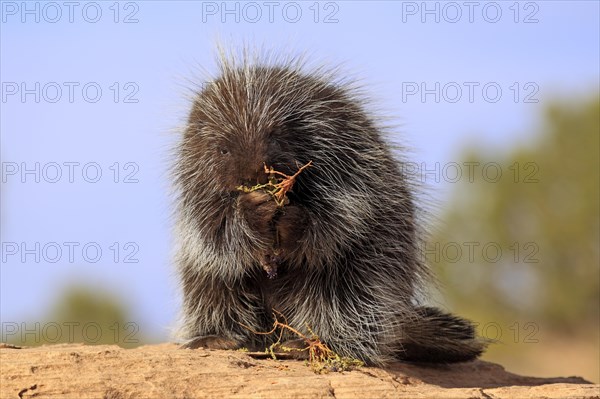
[{"x": 164, "y": 370}]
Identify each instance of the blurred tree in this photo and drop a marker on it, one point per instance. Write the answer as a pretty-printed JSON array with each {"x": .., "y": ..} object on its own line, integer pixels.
[
  {"x": 542, "y": 214},
  {"x": 82, "y": 315}
]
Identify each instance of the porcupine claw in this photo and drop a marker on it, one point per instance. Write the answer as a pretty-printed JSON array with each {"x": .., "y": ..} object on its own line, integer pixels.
[{"x": 270, "y": 263}]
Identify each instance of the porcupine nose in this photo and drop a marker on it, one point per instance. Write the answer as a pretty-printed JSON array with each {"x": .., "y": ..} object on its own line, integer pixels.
[{"x": 255, "y": 174}]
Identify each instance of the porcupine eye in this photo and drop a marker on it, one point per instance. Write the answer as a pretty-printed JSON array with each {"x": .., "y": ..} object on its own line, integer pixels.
[
  {"x": 274, "y": 147},
  {"x": 275, "y": 138},
  {"x": 224, "y": 151}
]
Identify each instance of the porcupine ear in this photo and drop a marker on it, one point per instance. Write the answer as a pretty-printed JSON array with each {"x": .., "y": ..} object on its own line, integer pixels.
[{"x": 434, "y": 336}]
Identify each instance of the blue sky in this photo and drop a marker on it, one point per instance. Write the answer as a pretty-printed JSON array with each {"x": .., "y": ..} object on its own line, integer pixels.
[{"x": 153, "y": 60}]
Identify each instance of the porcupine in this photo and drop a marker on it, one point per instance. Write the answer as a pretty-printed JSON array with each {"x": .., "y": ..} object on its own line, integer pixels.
[{"x": 348, "y": 258}]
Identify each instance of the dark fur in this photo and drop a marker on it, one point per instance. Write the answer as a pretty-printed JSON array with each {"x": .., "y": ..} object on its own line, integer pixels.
[{"x": 348, "y": 240}]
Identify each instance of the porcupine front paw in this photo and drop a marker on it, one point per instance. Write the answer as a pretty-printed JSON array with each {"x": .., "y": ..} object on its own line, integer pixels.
[
  {"x": 258, "y": 209},
  {"x": 290, "y": 227}
]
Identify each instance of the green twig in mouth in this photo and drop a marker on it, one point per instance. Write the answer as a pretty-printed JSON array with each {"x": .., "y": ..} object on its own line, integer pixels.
[{"x": 278, "y": 185}]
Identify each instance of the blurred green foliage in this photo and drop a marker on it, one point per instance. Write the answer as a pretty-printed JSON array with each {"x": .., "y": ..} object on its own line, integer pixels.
[
  {"x": 81, "y": 315},
  {"x": 542, "y": 213}
]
